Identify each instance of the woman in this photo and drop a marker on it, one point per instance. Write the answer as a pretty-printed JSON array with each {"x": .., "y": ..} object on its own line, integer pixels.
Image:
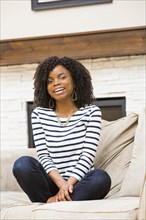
[{"x": 66, "y": 130}]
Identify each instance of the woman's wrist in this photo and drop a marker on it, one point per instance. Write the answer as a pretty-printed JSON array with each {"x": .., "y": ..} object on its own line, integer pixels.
[
  {"x": 72, "y": 180},
  {"x": 57, "y": 178}
]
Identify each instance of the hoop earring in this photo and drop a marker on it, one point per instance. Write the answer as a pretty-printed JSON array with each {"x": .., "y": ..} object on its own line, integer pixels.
[
  {"x": 74, "y": 96},
  {"x": 51, "y": 103}
]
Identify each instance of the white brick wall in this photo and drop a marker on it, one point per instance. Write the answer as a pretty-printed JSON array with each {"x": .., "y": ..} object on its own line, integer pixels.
[
  {"x": 121, "y": 76},
  {"x": 112, "y": 77}
]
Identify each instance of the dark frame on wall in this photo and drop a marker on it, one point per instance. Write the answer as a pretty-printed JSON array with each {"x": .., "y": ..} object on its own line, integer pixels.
[{"x": 54, "y": 4}]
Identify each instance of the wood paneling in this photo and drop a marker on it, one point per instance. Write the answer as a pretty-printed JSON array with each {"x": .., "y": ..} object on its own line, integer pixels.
[{"x": 97, "y": 44}]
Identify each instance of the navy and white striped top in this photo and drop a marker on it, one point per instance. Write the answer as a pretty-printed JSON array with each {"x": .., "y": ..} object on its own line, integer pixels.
[{"x": 70, "y": 149}]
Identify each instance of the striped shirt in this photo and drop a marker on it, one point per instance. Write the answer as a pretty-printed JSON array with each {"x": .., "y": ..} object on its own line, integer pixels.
[{"x": 69, "y": 149}]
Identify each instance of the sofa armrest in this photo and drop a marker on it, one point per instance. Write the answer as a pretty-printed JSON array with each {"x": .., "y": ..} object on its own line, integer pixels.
[
  {"x": 7, "y": 159},
  {"x": 142, "y": 205}
]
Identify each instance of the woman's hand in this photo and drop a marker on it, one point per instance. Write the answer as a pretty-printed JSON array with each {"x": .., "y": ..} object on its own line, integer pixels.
[
  {"x": 65, "y": 187},
  {"x": 64, "y": 191},
  {"x": 63, "y": 194},
  {"x": 52, "y": 199}
]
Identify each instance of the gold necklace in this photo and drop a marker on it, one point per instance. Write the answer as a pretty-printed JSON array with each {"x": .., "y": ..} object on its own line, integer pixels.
[{"x": 63, "y": 124}]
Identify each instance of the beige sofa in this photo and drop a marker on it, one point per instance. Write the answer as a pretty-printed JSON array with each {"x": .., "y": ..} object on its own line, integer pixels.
[{"x": 121, "y": 153}]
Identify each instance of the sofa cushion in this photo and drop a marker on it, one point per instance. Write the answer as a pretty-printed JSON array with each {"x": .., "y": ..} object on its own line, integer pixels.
[
  {"x": 18, "y": 211},
  {"x": 115, "y": 149},
  {"x": 8, "y": 157},
  {"x": 110, "y": 209},
  {"x": 137, "y": 169},
  {"x": 142, "y": 205},
  {"x": 10, "y": 198}
]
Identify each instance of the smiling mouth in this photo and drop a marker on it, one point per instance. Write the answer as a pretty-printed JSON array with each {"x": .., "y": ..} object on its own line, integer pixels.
[{"x": 59, "y": 90}]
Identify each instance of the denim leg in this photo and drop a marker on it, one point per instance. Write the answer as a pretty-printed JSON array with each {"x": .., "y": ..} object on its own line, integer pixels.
[
  {"x": 95, "y": 185},
  {"x": 33, "y": 179}
]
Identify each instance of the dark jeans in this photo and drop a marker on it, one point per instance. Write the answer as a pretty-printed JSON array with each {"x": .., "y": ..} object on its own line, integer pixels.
[{"x": 35, "y": 182}]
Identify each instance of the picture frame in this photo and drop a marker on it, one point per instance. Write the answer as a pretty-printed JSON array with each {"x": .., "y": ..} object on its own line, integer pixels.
[{"x": 37, "y": 5}]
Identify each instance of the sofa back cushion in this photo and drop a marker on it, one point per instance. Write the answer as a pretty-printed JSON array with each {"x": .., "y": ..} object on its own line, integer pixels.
[
  {"x": 115, "y": 149},
  {"x": 134, "y": 177},
  {"x": 8, "y": 157}
]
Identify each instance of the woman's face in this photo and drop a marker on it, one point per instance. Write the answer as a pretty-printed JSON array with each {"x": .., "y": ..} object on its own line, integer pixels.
[{"x": 60, "y": 84}]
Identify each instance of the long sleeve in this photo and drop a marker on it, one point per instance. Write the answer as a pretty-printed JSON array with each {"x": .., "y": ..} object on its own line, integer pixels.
[
  {"x": 40, "y": 143},
  {"x": 90, "y": 145}
]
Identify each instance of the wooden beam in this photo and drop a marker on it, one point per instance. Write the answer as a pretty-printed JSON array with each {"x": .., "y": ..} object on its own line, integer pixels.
[{"x": 97, "y": 44}]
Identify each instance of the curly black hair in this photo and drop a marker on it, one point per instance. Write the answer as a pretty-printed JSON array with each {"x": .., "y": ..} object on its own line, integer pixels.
[{"x": 80, "y": 75}]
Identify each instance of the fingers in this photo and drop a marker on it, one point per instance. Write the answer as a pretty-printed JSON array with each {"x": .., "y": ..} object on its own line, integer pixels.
[
  {"x": 67, "y": 196},
  {"x": 52, "y": 199},
  {"x": 63, "y": 195},
  {"x": 71, "y": 189},
  {"x": 64, "y": 192}
]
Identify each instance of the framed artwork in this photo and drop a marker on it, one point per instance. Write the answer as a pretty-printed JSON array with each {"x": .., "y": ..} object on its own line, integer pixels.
[{"x": 37, "y": 5}]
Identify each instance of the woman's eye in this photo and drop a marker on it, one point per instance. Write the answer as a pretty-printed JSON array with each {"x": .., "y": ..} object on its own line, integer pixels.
[
  {"x": 50, "y": 81},
  {"x": 62, "y": 77}
]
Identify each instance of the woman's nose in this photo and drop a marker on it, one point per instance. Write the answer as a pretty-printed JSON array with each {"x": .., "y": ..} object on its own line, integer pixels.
[{"x": 56, "y": 81}]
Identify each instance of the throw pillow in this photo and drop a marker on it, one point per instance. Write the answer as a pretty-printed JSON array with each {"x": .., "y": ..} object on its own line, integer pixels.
[
  {"x": 115, "y": 149},
  {"x": 134, "y": 177}
]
